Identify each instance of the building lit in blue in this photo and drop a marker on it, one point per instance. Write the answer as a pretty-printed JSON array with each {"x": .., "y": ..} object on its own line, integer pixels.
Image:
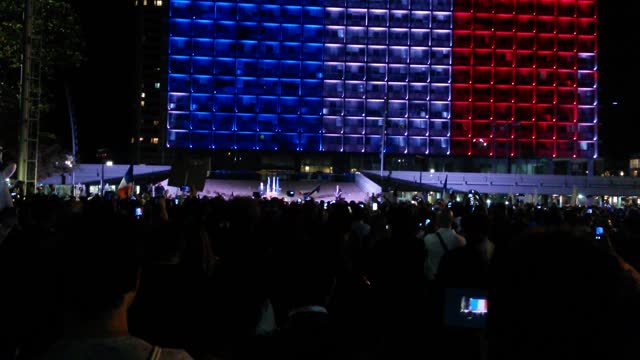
[{"x": 311, "y": 75}]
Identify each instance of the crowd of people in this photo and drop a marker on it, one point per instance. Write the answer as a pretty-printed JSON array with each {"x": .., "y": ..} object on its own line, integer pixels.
[{"x": 238, "y": 278}]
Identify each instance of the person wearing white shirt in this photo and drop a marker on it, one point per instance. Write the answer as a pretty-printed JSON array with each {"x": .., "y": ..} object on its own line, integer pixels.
[{"x": 444, "y": 239}]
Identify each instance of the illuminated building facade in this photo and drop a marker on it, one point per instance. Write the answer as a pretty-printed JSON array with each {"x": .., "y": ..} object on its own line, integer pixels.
[
  {"x": 501, "y": 78},
  {"x": 524, "y": 78}
]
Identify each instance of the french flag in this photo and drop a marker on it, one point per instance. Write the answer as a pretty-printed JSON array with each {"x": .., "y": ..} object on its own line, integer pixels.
[{"x": 125, "y": 189}]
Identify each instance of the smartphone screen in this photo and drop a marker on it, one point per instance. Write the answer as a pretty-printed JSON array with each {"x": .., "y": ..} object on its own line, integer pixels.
[
  {"x": 374, "y": 206},
  {"x": 599, "y": 232},
  {"x": 138, "y": 212}
]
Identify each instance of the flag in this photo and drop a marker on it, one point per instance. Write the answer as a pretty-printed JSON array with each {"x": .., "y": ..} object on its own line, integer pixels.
[
  {"x": 125, "y": 189},
  {"x": 444, "y": 188}
]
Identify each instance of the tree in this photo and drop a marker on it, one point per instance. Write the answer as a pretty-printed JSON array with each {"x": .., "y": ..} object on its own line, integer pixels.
[{"x": 62, "y": 49}]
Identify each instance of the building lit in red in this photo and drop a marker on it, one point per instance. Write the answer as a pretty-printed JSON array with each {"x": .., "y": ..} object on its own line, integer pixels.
[{"x": 524, "y": 78}]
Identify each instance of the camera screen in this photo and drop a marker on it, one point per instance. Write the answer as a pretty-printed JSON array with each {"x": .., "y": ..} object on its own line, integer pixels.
[
  {"x": 473, "y": 305},
  {"x": 599, "y": 231},
  {"x": 466, "y": 307},
  {"x": 138, "y": 212}
]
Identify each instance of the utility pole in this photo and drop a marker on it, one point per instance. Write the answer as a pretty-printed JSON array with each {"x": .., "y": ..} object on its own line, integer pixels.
[
  {"x": 28, "y": 137},
  {"x": 25, "y": 104}
]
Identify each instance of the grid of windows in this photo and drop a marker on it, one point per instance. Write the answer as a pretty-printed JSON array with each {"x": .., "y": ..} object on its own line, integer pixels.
[
  {"x": 465, "y": 77},
  {"x": 245, "y": 76},
  {"x": 320, "y": 76},
  {"x": 525, "y": 79},
  {"x": 387, "y": 68}
]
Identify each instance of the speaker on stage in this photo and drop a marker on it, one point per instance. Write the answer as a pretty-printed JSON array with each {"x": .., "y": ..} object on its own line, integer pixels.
[{"x": 189, "y": 170}]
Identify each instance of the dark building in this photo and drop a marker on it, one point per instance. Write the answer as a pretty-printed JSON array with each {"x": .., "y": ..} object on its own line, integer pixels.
[{"x": 147, "y": 144}]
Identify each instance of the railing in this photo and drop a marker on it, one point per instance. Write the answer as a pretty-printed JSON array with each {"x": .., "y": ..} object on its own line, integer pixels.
[{"x": 517, "y": 183}]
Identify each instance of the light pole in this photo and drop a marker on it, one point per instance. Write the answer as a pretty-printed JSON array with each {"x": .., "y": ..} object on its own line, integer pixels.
[
  {"x": 69, "y": 162},
  {"x": 74, "y": 140},
  {"x": 108, "y": 163}
]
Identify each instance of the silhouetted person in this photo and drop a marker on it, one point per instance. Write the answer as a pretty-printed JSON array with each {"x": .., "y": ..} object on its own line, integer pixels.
[
  {"x": 562, "y": 294},
  {"x": 443, "y": 240},
  {"x": 307, "y": 331},
  {"x": 100, "y": 276}
]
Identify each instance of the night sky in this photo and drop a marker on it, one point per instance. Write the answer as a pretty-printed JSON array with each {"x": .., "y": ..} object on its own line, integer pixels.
[
  {"x": 619, "y": 77},
  {"x": 103, "y": 87}
]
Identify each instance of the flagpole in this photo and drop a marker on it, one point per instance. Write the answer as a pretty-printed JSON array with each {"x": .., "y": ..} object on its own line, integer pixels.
[
  {"x": 102, "y": 180},
  {"x": 444, "y": 187},
  {"x": 382, "y": 142}
]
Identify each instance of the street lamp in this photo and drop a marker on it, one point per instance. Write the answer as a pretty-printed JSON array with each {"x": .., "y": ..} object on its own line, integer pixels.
[
  {"x": 70, "y": 162},
  {"x": 108, "y": 163}
]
